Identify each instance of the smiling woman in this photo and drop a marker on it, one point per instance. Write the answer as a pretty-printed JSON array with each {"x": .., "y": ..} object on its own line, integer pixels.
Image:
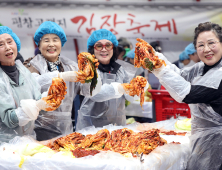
[
  {"x": 209, "y": 48},
  {"x": 50, "y": 47},
  {"x": 7, "y": 58},
  {"x": 20, "y": 101},
  {"x": 103, "y": 51},
  {"x": 200, "y": 86},
  {"x": 50, "y": 38},
  {"x": 107, "y": 107}
]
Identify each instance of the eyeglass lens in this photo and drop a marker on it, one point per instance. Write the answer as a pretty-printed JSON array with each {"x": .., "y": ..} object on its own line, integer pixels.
[
  {"x": 210, "y": 44},
  {"x": 99, "y": 46}
]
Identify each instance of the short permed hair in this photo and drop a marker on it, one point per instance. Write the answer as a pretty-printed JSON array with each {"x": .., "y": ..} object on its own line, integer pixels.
[{"x": 207, "y": 26}]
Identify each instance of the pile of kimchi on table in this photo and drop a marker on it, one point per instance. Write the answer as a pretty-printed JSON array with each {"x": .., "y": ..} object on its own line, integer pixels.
[{"x": 123, "y": 141}]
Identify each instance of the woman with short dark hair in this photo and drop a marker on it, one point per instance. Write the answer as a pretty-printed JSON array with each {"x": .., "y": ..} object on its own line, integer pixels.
[
  {"x": 106, "y": 107},
  {"x": 200, "y": 86}
]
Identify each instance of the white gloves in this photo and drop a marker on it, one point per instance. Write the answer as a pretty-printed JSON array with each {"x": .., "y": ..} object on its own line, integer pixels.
[
  {"x": 119, "y": 90},
  {"x": 70, "y": 76},
  {"x": 172, "y": 66},
  {"x": 159, "y": 71},
  {"x": 28, "y": 111},
  {"x": 162, "y": 57},
  {"x": 42, "y": 105},
  {"x": 32, "y": 107}
]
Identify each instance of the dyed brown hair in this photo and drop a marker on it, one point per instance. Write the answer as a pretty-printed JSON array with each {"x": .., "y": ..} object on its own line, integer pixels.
[{"x": 207, "y": 26}]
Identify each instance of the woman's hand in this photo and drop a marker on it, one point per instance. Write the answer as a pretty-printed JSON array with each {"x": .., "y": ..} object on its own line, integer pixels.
[
  {"x": 73, "y": 76},
  {"x": 136, "y": 87}
]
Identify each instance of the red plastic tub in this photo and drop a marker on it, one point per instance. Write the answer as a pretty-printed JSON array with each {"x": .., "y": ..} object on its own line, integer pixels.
[{"x": 166, "y": 106}]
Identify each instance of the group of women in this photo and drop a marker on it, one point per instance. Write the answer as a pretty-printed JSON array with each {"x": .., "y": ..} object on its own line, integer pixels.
[{"x": 22, "y": 110}]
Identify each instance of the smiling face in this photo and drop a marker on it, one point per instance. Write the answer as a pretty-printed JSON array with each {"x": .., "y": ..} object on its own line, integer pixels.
[
  {"x": 104, "y": 56},
  {"x": 8, "y": 50},
  {"x": 208, "y": 55},
  {"x": 50, "y": 47}
]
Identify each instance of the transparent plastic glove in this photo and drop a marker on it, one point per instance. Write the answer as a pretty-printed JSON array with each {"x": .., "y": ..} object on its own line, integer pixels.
[
  {"x": 119, "y": 90},
  {"x": 172, "y": 66},
  {"x": 23, "y": 118},
  {"x": 162, "y": 57},
  {"x": 42, "y": 105},
  {"x": 132, "y": 98},
  {"x": 45, "y": 94},
  {"x": 72, "y": 76},
  {"x": 30, "y": 108},
  {"x": 159, "y": 71}
]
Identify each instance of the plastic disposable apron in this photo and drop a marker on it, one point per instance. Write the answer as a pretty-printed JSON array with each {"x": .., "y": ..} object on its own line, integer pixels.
[
  {"x": 58, "y": 122},
  {"x": 206, "y": 139},
  {"x": 29, "y": 91},
  {"x": 99, "y": 114}
]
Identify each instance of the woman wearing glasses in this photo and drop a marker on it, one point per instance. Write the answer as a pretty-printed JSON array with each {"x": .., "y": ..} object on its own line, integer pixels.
[
  {"x": 107, "y": 106},
  {"x": 50, "y": 38},
  {"x": 200, "y": 86}
]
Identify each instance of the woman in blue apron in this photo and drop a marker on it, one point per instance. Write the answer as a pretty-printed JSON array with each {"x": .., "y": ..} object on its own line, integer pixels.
[
  {"x": 106, "y": 107},
  {"x": 200, "y": 86}
]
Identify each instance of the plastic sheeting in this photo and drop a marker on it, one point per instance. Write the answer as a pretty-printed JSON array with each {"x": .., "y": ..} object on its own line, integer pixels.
[{"x": 170, "y": 156}]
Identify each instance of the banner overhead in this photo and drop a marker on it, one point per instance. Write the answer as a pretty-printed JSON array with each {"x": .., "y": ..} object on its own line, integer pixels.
[{"x": 80, "y": 23}]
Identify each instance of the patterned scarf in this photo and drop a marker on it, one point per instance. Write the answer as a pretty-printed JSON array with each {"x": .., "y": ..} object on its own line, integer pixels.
[{"x": 53, "y": 65}]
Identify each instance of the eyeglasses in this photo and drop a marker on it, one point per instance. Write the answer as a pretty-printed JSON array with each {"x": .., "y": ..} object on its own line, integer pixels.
[
  {"x": 211, "y": 44},
  {"x": 100, "y": 46}
]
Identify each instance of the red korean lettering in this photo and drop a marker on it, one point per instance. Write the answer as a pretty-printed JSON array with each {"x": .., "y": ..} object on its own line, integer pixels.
[
  {"x": 159, "y": 26},
  {"x": 106, "y": 21},
  {"x": 115, "y": 22},
  {"x": 174, "y": 26},
  {"x": 89, "y": 30},
  {"x": 77, "y": 19},
  {"x": 168, "y": 25},
  {"x": 131, "y": 20},
  {"x": 138, "y": 29}
]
